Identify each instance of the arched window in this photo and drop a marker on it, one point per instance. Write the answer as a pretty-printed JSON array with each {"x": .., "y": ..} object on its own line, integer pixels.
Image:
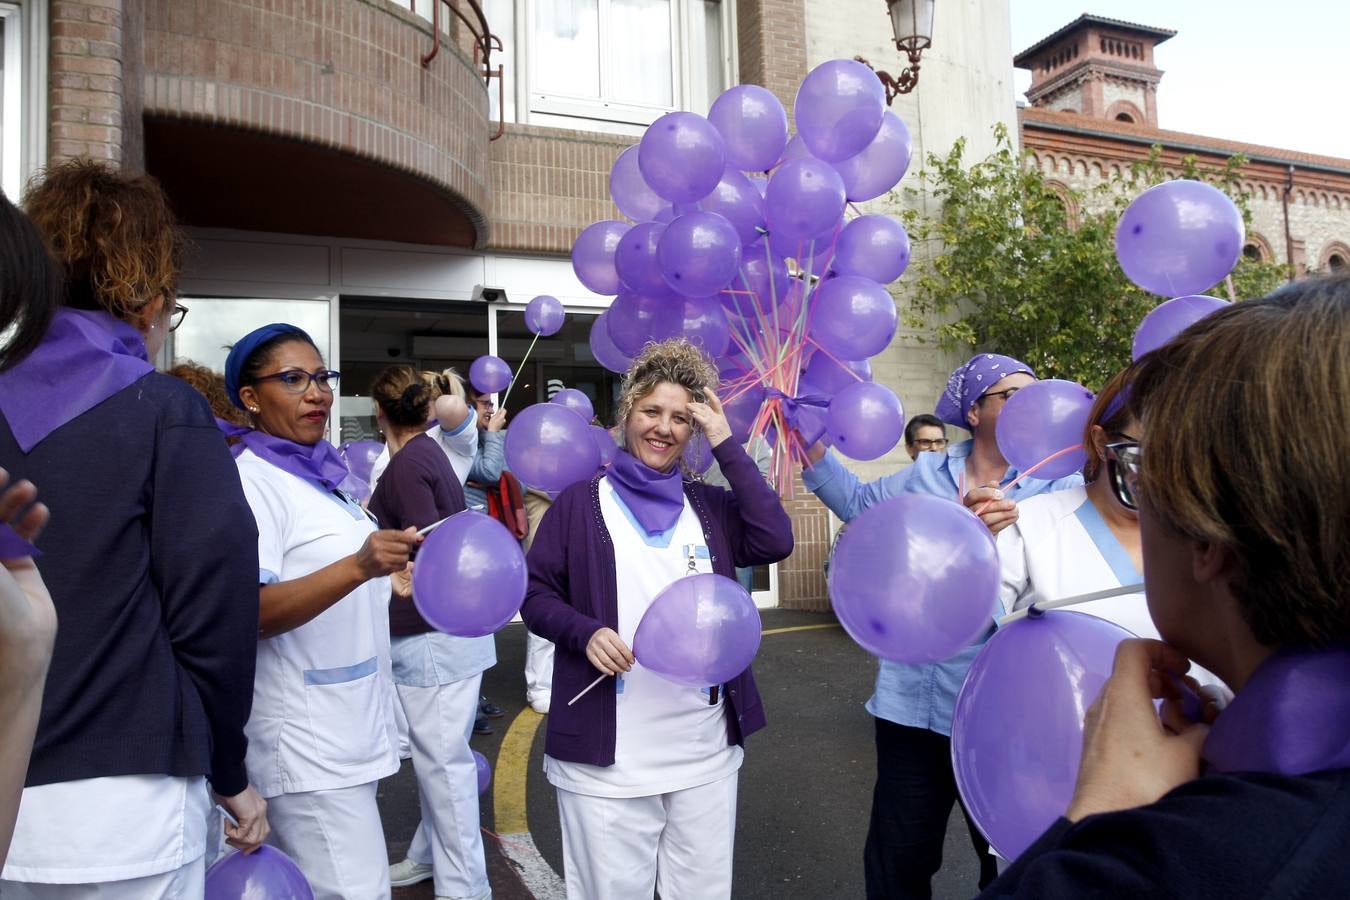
[
  {"x": 1124, "y": 117},
  {"x": 1335, "y": 257}
]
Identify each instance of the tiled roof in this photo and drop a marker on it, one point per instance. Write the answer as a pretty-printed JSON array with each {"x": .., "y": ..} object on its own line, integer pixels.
[
  {"x": 1161, "y": 34},
  {"x": 1074, "y": 122}
]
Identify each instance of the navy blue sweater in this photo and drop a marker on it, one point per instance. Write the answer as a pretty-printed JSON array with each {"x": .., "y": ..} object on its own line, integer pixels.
[
  {"x": 151, "y": 557},
  {"x": 1227, "y": 837}
]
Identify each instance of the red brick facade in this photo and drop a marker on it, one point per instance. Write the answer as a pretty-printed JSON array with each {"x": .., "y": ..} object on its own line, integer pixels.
[{"x": 86, "y": 80}]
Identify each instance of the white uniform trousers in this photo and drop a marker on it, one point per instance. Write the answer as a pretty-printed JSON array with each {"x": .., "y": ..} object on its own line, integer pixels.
[
  {"x": 625, "y": 848},
  {"x": 336, "y": 839},
  {"x": 440, "y": 721},
  {"x": 184, "y": 883},
  {"x": 538, "y": 669}
]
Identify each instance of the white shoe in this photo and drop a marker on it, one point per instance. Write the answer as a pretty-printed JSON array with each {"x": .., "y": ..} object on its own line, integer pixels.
[
  {"x": 540, "y": 705},
  {"x": 402, "y": 874}
]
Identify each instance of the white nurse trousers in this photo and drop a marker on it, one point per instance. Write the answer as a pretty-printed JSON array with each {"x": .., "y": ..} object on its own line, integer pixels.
[{"x": 336, "y": 839}]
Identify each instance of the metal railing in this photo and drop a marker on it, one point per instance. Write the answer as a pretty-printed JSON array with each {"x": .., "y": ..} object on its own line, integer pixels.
[{"x": 484, "y": 43}]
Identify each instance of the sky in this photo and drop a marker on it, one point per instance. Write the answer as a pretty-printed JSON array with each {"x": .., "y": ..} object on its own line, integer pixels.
[{"x": 1264, "y": 73}]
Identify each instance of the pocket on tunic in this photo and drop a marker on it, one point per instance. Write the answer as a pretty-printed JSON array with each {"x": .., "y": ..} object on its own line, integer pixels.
[{"x": 346, "y": 712}]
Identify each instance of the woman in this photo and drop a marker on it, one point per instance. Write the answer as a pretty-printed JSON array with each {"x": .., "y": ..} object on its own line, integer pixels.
[
  {"x": 452, "y": 423},
  {"x": 437, "y": 676},
  {"x": 645, "y": 769},
  {"x": 322, "y": 730},
  {"x": 146, "y": 557},
  {"x": 1246, "y": 545}
]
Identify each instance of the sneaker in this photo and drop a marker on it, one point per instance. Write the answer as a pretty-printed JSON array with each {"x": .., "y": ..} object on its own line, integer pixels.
[
  {"x": 481, "y": 726},
  {"x": 489, "y": 709},
  {"x": 402, "y": 874},
  {"x": 540, "y": 705}
]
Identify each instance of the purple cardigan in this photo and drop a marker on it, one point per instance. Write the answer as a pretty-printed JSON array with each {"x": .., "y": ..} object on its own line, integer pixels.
[{"x": 573, "y": 593}]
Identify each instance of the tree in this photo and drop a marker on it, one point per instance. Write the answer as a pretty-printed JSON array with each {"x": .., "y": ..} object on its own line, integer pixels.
[{"x": 1014, "y": 271}]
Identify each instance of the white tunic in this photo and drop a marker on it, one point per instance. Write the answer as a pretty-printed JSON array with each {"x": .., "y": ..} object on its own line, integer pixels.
[
  {"x": 324, "y": 693},
  {"x": 668, "y": 737}
]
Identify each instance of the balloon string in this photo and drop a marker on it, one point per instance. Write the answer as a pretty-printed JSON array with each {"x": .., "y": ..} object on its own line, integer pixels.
[
  {"x": 1049, "y": 459},
  {"x": 501, "y": 840},
  {"x": 843, "y": 365},
  {"x": 586, "y": 690},
  {"x": 520, "y": 368},
  {"x": 1228, "y": 281}
]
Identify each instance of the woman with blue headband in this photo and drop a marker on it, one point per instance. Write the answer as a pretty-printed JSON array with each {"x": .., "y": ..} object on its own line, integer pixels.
[{"x": 322, "y": 732}]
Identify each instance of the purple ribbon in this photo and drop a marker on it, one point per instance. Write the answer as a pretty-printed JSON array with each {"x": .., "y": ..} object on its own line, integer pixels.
[
  {"x": 321, "y": 463},
  {"x": 655, "y": 499},
  {"x": 85, "y": 358},
  {"x": 1292, "y": 717},
  {"x": 805, "y": 413}
]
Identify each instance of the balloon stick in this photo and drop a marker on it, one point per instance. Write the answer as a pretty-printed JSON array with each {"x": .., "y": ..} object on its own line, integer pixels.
[
  {"x": 586, "y": 690},
  {"x": 433, "y": 526},
  {"x": 1034, "y": 609},
  {"x": 520, "y": 368}
]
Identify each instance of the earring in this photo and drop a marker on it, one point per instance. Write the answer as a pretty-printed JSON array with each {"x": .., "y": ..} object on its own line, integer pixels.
[{"x": 254, "y": 409}]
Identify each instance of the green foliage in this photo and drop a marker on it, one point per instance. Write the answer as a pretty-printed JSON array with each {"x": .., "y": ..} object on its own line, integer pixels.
[{"x": 1011, "y": 269}]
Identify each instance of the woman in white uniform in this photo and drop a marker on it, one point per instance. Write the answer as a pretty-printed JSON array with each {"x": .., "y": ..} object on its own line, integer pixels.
[{"x": 322, "y": 730}]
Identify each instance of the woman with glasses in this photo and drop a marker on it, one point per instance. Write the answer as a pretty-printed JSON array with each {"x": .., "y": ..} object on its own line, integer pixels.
[
  {"x": 322, "y": 731},
  {"x": 149, "y": 550},
  {"x": 1246, "y": 545}
]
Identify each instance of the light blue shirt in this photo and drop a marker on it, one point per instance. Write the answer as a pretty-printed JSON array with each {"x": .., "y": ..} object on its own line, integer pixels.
[{"x": 920, "y": 696}]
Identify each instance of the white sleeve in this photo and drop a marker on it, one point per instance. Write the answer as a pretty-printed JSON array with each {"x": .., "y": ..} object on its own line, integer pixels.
[
  {"x": 1014, "y": 589},
  {"x": 272, "y": 514},
  {"x": 461, "y": 444},
  {"x": 377, "y": 468}
]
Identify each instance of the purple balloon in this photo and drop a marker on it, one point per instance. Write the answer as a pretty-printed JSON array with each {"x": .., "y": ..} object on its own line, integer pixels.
[
  {"x": 805, "y": 197},
  {"x": 267, "y": 874},
  {"x": 839, "y": 109},
  {"x": 1169, "y": 319},
  {"x": 630, "y": 317},
  {"x": 360, "y": 457},
  {"x": 698, "y": 457},
  {"x": 544, "y": 315},
  {"x": 489, "y": 374},
  {"x": 736, "y": 199},
  {"x": 576, "y": 401},
  {"x": 1017, "y": 730},
  {"x": 852, "y": 317},
  {"x": 741, "y": 401},
  {"x": 699, "y": 320},
  {"x": 682, "y": 157},
  {"x": 753, "y": 126},
  {"x": 604, "y": 443},
  {"x": 865, "y": 420},
  {"x": 549, "y": 447},
  {"x": 824, "y": 377},
  {"x": 593, "y": 256},
  {"x": 1042, "y": 419},
  {"x": 874, "y": 247},
  {"x": 632, "y": 195},
  {"x": 603, "y": 349},
  {"x": 355, "y": 487},
  {"x": 484, "y": 772},
  {"x": 701, "y": 630},
  {"x": 880, "y": 166},
  {"x": 635, "y": 259},
  {"x": 796, "y": 149},
  {"x": 698, "y": 254},
  {"x": 915, "y": 578},
  {"x": 817, "y": 251},
  {"x": 469, "y": 578},
  {"x": 1180, "y": 237}
]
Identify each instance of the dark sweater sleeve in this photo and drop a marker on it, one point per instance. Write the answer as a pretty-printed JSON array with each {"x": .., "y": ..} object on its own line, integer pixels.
[
  {"x": 546, "y": 610},
  {"x": 204, "y": 560},
  {"x": 757, "y": 526}
]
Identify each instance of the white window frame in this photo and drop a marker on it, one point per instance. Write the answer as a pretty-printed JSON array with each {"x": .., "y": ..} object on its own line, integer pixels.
[
  {"x": 598, "y": 114},
  {"x": 23, "y": 132}
]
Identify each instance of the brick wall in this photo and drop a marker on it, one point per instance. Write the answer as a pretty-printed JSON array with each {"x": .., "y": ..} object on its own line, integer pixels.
[
  {"x": 86, "y": 80},
  {"x": 771, "y": 43},
  {"x": 801, "y": 578},
  {"x": 343, "y": 74}
]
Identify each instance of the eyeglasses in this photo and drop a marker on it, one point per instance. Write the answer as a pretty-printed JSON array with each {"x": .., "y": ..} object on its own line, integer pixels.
[
  {"x": 177, "y": 316},
  {"x": 297, "y": 381},
  {"x": 1123, "y": 461},
  {"x": 931, "y": 443},
  {"x": 1004, "y": 394}
]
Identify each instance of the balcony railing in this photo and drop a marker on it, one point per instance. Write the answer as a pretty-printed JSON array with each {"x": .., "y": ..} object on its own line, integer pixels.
[{"x": 484, "y": 44}]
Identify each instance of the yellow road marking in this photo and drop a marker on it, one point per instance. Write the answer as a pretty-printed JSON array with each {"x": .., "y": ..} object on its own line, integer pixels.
[{"x": 513, "y": 759}]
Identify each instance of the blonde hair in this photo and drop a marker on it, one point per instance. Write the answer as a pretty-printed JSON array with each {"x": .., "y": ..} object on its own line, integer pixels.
[
  {"x": 674, "y": 361},
  {"x": 447, "y": 382},
  {"x": 1217, "y": 404}
]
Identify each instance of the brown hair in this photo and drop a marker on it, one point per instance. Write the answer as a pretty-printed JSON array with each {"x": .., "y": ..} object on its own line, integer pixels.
[
  {"x": 114, "y": 234},
  {"x": 675, "y": 361},
  {"x": 1226, "y": 390},
  {"x": 404, "y": 395},
  {"x": 1110, "y": 411},
  {"x": 210, "y": 385}
]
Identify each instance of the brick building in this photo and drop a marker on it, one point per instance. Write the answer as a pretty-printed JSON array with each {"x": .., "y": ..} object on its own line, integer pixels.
[{"x": 1092, "y": 111}]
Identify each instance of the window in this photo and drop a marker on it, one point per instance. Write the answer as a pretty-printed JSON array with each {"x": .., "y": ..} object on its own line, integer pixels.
[
  {"x": 23, "y": 79},
  {"x": 621, "y": 63},
  {"x": 1335, "y": 262}
]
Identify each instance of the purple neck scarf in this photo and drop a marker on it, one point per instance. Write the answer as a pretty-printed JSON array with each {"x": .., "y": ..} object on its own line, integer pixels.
[
  {"x": 655, "y": 499},
  {"x": 320, "y": 464},
  {"x": 1291, "y": 718},
  {"x": 85, "y": 358}
]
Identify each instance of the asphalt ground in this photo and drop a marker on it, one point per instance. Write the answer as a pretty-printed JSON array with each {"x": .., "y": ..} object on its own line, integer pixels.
[{"x": 805, "y": 788}]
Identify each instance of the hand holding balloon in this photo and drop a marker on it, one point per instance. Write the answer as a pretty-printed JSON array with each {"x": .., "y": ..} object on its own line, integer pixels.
[
  {"x": 497, "y": 421},
  {"x": 249, "y": 811},
  {"x": 712, "y": 418},
  {"x": 988, "y": 502},
  {"x": 608, "y": 653},
  {"x": 1130, "y": 758},
  {"x": 386, "y": 552}
]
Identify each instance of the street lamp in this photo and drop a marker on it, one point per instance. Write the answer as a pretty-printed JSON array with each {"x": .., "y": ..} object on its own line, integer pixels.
[{"x": 912, "y": 25}]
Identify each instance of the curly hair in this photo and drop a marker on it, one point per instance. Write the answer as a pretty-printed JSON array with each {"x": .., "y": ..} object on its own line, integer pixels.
[
  {"x": 405, "y": 395},
  {"x": 210, "y": 385},
  {"x": 115, "y": 235},
  {"x": 674, "y": 361}
]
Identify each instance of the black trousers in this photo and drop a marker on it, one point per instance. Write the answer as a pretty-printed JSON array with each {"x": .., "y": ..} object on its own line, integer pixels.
[{"x": 910, "y": 806}]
